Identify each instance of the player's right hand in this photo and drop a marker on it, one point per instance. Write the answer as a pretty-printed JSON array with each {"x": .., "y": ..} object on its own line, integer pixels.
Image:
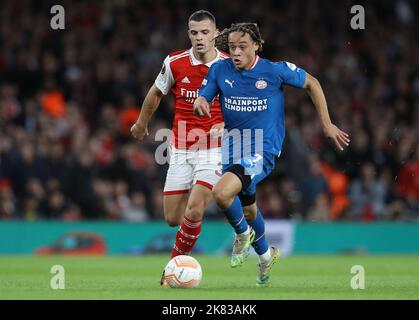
[
  {"x": 139, "y": 131},
  {"x": 201, "y": 107}
]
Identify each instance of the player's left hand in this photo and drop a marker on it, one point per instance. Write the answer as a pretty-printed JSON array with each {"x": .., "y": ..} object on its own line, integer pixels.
[{"x": 339, "y": 138}]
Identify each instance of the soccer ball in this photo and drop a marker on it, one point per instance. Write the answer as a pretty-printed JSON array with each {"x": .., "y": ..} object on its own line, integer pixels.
[{"x": 183, "y": 272}]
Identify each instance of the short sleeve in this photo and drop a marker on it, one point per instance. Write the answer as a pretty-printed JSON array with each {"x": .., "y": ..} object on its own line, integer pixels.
[
  {"x": 290, "y": 74},
  {"x": 209, "y": 88},
  {"x": 165, "y": 80}
]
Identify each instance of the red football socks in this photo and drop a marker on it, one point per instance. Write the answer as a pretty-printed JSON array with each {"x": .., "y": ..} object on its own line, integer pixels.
[{"x": 186, "y": 237}]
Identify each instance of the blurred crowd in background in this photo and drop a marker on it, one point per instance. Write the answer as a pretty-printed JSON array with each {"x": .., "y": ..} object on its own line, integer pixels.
[{"x": 68, "y": 99}]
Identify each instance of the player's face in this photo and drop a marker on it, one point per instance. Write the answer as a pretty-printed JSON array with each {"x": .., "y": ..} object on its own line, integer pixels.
[
  {"x": 242, "y": 49},
  {"x": 202, "y": 34}
]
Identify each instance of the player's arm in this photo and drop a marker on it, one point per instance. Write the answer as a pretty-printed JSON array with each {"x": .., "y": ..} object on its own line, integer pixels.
[
  {"x": 315, "y": 91},
  {"x": 207, "y": 93},
  {"x": 151, "y": 102},
  {"x": 161, "y": 86}
]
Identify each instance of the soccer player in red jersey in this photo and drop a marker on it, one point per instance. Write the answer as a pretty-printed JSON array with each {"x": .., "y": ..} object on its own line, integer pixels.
[{"x": 195, "y": 155}]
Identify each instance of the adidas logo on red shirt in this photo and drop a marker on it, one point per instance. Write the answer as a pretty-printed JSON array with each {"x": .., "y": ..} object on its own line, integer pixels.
[{"x": 185, "y": 80}]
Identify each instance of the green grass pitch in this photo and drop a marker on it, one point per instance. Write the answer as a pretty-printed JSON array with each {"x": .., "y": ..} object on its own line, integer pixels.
[{"x": 294, "y": 277}]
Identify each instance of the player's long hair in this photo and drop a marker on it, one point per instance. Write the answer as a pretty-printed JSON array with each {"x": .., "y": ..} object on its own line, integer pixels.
[{"x": 221, "y": 41}]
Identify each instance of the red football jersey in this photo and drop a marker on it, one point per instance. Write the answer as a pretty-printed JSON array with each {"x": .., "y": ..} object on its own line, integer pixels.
[{"x": 182, "y": 74}]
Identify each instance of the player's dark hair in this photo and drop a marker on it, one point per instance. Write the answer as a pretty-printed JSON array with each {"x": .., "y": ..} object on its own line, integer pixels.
[
  {"x": 202, "y": 15},
  {"x": 246, "y": 27}
]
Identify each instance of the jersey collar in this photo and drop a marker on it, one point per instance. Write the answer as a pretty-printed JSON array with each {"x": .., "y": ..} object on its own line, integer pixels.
[
  {"x": 196, "y": 62},
  {"x": 255, "y": 62}
]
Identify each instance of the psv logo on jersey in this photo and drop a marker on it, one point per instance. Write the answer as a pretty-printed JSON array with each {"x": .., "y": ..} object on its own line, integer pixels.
[{"x": 261, "y": 84}]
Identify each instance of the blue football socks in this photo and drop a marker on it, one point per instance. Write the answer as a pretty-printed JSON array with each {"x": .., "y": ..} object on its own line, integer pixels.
[
  {"x": 235, "y": 216},
  {"x": 260, "y": 244}
]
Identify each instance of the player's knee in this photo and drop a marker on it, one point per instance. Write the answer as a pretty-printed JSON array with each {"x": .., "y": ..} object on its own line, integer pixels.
[
  {"x": 221, "y": 197},
  {"x": 173, "y": 221}
]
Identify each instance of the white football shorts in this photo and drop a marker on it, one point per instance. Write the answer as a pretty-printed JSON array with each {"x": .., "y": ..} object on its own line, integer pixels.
[{"x": 189, "y": 167}]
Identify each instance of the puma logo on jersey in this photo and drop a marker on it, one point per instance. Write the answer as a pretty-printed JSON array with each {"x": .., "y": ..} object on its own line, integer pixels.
[
  {"x": 229, "y": 82},
  {"x": 185, "y": 80}
]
